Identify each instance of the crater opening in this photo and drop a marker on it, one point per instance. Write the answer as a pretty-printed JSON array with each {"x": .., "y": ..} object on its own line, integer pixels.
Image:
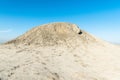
[{"x": 80, "y": 32}]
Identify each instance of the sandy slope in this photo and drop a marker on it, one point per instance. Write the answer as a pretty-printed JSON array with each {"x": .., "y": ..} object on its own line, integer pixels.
[{"x": 74, "y": 57}]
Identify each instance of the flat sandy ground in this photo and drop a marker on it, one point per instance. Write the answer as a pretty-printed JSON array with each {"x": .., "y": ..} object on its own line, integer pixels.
[{"x": 59, "y": 63}]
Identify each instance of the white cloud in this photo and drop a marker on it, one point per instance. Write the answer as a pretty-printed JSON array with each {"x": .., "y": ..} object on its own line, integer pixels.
[{"x": 5, "y": 31}]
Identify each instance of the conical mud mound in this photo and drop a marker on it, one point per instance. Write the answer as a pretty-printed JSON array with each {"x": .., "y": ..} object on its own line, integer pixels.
[
  {"x": 59, "y": 51},
  {"x": 53, "y": 34}
]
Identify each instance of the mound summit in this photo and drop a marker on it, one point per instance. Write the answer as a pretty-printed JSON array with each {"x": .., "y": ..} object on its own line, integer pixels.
[{"x": 53, "y": 34}]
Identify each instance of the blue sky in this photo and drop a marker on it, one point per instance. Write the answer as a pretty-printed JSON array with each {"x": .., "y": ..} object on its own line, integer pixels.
[{"x": 98, "y": 17}]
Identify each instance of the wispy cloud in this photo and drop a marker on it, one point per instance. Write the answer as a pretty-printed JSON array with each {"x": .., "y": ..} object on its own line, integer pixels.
[{"x": 5, "y": 31}]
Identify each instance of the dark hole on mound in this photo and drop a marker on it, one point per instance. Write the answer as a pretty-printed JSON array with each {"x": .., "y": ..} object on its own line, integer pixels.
[{"x": 80, "y": 32}]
